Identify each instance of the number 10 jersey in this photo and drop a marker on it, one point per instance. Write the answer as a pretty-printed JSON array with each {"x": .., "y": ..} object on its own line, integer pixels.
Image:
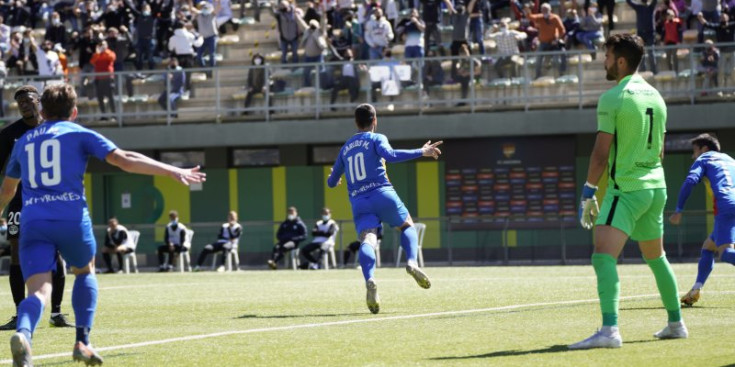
[{"x": 51, "y": 160}]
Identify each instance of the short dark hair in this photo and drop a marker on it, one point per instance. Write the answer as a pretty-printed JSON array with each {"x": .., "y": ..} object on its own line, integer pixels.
[
  {"x": 627, "y": 46},
  {"x": 26, "y": 89},
  {"x": 364, "y": 115},
  {"x": 706, "y": 140},
  {"x": 58, "y": 101}
]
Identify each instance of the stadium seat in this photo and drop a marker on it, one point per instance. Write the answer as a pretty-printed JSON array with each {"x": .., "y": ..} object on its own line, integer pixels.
[
  {"x": 232, "y": 255},
  {"x": 127, "y": 258},
  {"x": 329, "y": 251},
  {"x": 421, "y": 230}
]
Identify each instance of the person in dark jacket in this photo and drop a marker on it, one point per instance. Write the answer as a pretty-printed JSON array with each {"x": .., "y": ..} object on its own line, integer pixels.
[
  {"x": 725, "y": 33},
  {"x": 256, "y": 81},
  {"x": 56, "y": 31},
  {"x": 645, "y": 28},
  {"x": 290, "y": 234},
  {"x": 178, "y": 80},
  {"x": 145, "y": 25},
  {"x": 120, "y": 42},
  {"x": 288, "y": 29}
]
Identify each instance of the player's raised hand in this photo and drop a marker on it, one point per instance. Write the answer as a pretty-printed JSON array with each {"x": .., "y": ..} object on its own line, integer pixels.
[
  {"x": 189, "y": 176},
  {"x": 675, "y": 219},
  {"x": 431, "y": 150}
]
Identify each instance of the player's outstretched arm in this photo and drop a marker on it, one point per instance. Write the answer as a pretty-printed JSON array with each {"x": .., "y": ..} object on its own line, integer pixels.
[
  {"x": 135, "y": 162},
  {"x": 7, "y": 191},
  {"x": 391, "y": 155}
]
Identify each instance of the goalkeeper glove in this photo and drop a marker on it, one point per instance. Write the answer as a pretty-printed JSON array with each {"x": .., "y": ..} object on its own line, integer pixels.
[{"x": 588, "y": 208}]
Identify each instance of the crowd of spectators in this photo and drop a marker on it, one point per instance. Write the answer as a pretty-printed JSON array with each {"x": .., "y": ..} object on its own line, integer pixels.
[{"x": 108, "y": 36}]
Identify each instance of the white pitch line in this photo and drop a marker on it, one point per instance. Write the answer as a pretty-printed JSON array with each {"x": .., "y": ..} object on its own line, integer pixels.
[{"x": 339, "y": 323}]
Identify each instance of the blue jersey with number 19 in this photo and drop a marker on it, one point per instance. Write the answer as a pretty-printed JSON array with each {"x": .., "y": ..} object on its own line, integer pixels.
[
  {"x": 50, "y": 160},
  {"x": 362, "y": 160}
]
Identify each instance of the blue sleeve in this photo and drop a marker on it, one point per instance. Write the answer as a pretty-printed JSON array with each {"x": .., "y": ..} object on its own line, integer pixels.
[
  {"x": 693, "y": 178},
  {"x": 13, "y": 168},
  {"x": 97, "y": 145},
  {"x": 395, "y": 156},
  {"x": 337, "y": 170}
]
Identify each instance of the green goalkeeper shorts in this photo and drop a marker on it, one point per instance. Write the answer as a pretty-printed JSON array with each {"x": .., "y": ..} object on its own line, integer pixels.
[{"x": 640, "y": 214}]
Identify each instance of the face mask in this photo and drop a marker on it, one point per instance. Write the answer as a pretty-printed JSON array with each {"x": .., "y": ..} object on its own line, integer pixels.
[
  {"x": 325, "y": 217},
  {"x": 146, "y": 13},
  {"x": 546, "y": 16},
  {"x": 113, "y": 8},
  {"x": 291, "y": 217},
  {"x": 56, "y": 22},
  {"x": 174, "y": 222},
  {"x": 3, "y": 228},
  {"x": 593, "y": 11},
  {"x": 258, "y": 61},
  {"x": 206, "y": 11},
  {"x": 504, "y": 29}
]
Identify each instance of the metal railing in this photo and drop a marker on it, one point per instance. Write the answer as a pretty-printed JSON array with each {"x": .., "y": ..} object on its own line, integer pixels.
[
  {"x": 445, "y": 244},
  {"x": 220, "y": 96}
]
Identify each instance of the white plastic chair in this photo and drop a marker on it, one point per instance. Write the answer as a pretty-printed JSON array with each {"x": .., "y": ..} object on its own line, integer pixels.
[
  {"x": 133, "y": 236},
  {"x": 329, "y": 251},
  {"x": 184, "y": 256},
  {"x": 231, "y": 256},
  {"x": 294, "y": 258},
  {"x": 420, "y": 230}
]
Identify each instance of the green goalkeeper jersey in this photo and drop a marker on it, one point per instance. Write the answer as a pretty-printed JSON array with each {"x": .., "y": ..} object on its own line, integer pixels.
[{"x": 635, "y": 114}]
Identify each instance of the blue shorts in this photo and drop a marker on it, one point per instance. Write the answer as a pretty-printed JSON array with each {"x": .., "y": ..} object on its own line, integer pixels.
[
  {"x": 380, "y": 205},
  {"x": 724, "y": 233},
  {"x": 42, "y": 238}
]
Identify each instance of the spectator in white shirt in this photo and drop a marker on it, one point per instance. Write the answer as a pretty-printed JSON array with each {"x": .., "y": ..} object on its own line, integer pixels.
[
  {"x": 181, "y": 45},
  {"x": 378, "y": 34}
]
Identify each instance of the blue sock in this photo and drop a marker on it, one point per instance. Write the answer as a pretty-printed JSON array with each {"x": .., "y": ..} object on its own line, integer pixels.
[
  {"x": 367, "y": 260},
  {"x": 84, "y": 302},
  {"x": 706, "y": 264},
  {"x": 728, "y": 256},
  {"x": 410, "y": 242},
  {"x": 29, "y": 314}
]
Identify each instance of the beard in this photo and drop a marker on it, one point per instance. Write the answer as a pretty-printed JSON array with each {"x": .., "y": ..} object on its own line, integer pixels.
[{"x": 612, "y": 72}]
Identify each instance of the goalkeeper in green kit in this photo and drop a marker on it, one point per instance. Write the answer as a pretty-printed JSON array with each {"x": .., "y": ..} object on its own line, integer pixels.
[{"x": 631, "y": 120}]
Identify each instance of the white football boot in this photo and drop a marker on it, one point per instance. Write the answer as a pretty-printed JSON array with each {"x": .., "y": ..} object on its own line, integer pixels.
[
  {"x": 607, "y": 337},
  {"x": 675, "y": 330}
]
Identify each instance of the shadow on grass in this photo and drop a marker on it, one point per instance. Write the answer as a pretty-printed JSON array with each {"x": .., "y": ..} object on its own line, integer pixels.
[
  {"x": 661, "y": 308},
  {"x": 512, "y": 353},
  {"x": 252, "y": 316},
  {"x": 71, "y": 362}
]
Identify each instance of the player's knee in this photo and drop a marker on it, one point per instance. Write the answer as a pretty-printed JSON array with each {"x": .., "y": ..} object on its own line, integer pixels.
[{"x": 371, "y": 239}]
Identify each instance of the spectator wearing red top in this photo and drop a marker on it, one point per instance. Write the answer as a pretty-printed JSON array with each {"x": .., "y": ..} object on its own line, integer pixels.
[
  {"x": 672, "y": 30},
  {"x": 104, "y": 62},
  {"x": 550, "y": 34}
]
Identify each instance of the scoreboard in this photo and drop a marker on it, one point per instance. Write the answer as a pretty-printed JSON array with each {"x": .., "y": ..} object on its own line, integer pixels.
[{"x": 511, "y": 183}]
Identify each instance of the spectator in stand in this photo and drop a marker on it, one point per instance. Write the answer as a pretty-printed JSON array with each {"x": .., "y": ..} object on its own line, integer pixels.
[
  {"x": 117, "y": 241},
  {"x": 120, "y": 43},
  {"x": 56, "y": 32},
  {"x": 256, "y": 83},
  {"x": 711, "y": 13},
  {"x": 49, "y": 66},
  {"x": 86, "y": 44},
  {"x": 104, "y": 62},
  {"x": 349, "y": 79},
  {"x": 645, "y": 29},
  {"x": 672, "y": 32},
  {"x": 391, "y": 13},
  {"x": 174, "y": 239},
  {"x": 145, "y": 27},
  {"x": 353, "y": 31},
  {"x": 507, "y": 42},
  {"x": 571, "y": 26},
  {"x": 224, "y": 17},
  {"x": 181, "y": 45},
  {"x": 314, "y": 43},
  {"x": 526, "y": 26},
  {"x": 433, "y": 71},
  {"x": 114, "y": 15},
  {"x": 590, "y": 29},
  {"x": 709, "y": 65},
  {"x": 728, "y": 7},
  {"x": 460, "y": 31},
  {"x": 19, "y": 15},
  {"x": 5, "y": 33},
  {"x": 413, "y": 28},
  {"x": 609, "y": 7},
  {"x": 659, "y": 16},
  {"x": 685, "y": 13},
  {"x": 227, "y": 237},
  {"x": 465, "y": 66},
  {"x": 288, "y": 29},
  {"x": 163, "y": 12},
  {"x": 725, "y": 30},
  {"x": 378, "y": 34},
  {"x": 311, "y": 13},
  {"x": 432, "y": 16},
  {"x": 477, "y": 29},
  {"x": 291, "y": 232},
  {"x": 550, "y": 34},
  {"x": 323, "y": 230},
  {"x": 177, "y": 81},
  {"x": 207, "y": 26}
]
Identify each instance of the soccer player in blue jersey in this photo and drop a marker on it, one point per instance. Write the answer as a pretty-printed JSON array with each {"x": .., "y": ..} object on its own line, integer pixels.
[
  {"x": 362, "y": 160},
  {"x": 719, "y": 169},
  {"x": 50, "y": 160}
]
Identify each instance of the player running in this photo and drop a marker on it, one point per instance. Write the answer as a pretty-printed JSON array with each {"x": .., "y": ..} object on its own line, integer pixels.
[
  {"x": 719, "y": 169},
  {"x": 631, "y": 120},
  {"x": 362, "y": 160},
  {"x": 55, "y": 215},
  {"x": 29, "y": 104}
]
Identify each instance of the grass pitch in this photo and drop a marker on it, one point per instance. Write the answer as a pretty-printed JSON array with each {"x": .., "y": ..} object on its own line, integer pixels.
[{"x": 509, "y": 316}]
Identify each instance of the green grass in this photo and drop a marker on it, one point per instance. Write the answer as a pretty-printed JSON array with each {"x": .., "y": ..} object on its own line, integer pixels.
[{"x": 150, "y": 307}]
